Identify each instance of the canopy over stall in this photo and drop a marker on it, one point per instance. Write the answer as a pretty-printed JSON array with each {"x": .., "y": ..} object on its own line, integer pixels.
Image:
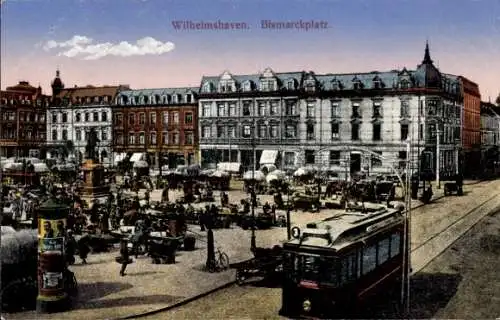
[{"x": 268, "y": 157}]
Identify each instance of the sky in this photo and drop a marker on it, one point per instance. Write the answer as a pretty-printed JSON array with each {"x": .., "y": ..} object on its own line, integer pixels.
[{"x": 135, "y": 42}]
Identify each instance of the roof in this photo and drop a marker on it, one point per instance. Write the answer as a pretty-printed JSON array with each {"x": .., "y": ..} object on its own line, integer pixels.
[
  {"x": 23, "y": 86},
  {"x": 90, "y": 91},
  {"x": 341, "y": 230},
  {"x": 157, "y": 96},
  {"x": 158, "y": 91}
]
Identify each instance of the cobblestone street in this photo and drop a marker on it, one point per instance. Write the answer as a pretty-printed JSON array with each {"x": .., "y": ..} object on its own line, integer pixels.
[{"x": 104, "y": 294}]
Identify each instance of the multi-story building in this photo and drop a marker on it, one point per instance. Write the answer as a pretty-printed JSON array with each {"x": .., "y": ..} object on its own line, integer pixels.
[
  {"x": 22, "y": 121},
  {"x": 301, "y": 118},
  {"x": 161, "y": 123},
  {"x": 471, "y": 126},
  {"x": 74, "y": 111},
  {"x": 490, "y": 137}
]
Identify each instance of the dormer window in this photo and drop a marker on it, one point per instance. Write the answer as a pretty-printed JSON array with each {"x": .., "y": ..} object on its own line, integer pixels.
[
  {"x": 169, "y": 98},
  {"x": 157, "y": 98},
  {"x": 268, "y": 85},
  {"x": 310, "y": 85},
  {"x": 377, "y": 109},
  {"x": 247, "y": 86},
  {"x": 377, "y": 84},
  {"x": 290, "y": 85},
  {"x": 189, "y": 98},
  {"x": 136, "y": 100},
  {"x": 207, "y": 87},
  {"x": 179, "y": 98},
  {"x": 355, "y": 110},
  {"x": 336, "y": 85},
  {"x": 405, "y": 84},
  {"x": 357, "y": 85}
]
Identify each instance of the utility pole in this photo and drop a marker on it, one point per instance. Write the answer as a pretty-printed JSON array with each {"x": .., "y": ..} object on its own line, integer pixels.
[
  {"x": 438, "y": 156},
  {"x": 253, "y": 195}
]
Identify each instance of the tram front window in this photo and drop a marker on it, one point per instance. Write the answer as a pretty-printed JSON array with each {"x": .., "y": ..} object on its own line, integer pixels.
[{"x": 323, "y": 270}]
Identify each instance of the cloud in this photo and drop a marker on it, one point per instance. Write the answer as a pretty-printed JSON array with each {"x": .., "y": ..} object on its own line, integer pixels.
[{"x": 85, "y": 48}]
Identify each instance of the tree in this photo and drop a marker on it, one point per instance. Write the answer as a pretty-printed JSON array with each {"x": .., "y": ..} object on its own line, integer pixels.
[{"x": 497, "y": 101}]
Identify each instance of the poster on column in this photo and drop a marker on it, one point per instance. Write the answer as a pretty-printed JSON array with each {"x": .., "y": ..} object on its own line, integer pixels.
[{"x": 51, "y": 235}]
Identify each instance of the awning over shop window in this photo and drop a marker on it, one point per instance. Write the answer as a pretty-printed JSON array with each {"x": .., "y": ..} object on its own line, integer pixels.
[
  {"x": 268, "y": 157},
  {"x": 120, "y": 156},
  {"x": 232, "y": 167},
  {"x": 136, "y": 157}
]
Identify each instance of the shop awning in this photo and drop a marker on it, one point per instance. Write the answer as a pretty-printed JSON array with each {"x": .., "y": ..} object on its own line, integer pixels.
[
  {"x": 136, "y": 157},
  {"x": 232, "y": 167},
  {"x": 268, "y": 157},
  {"x": 120, "y": 156}
]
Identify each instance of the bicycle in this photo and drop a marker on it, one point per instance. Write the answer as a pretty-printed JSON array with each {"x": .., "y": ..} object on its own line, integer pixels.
[{"x": 220, "y": 262}]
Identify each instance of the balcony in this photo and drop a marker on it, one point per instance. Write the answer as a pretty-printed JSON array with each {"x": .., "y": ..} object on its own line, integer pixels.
[{"x": 249, "y": 141}]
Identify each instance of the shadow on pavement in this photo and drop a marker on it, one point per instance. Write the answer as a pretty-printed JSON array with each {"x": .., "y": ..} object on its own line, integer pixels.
[
  {"x": 429, "y": 293},
  {"x": 96, "y": 290}
]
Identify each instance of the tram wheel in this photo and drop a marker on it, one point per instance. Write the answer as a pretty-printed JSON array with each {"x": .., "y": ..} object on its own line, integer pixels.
[{"x": 240, "y": 278}]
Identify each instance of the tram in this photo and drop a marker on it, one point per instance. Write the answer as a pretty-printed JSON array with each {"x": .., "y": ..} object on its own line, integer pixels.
[{"x": 332, "y": 266}]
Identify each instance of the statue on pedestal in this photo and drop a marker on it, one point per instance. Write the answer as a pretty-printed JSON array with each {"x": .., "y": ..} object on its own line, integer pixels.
[{"x": 90, "y": 148}]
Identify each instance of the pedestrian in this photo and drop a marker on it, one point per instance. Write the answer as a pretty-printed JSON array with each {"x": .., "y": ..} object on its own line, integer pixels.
[
  {"x": 124, "y": 256},
  {"x": 83, "y": 249}
]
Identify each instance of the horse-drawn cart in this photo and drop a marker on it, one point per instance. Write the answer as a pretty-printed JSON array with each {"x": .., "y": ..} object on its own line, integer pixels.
[{"x": 266, "y": 262}]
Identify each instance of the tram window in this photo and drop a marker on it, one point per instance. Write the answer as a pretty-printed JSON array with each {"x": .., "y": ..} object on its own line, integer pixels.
[
  {"x": 369, "y": 258},
  {"x": 329, "y": 273},
  {"x": 395, "y": 244},
  {"x": 348, "y": 269},
  {"x": 383, "y": 251},
  {"x": 310, "y": 268}
]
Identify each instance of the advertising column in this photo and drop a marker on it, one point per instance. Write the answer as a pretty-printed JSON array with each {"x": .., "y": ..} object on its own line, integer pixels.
[{"x": 52, "y": 296}]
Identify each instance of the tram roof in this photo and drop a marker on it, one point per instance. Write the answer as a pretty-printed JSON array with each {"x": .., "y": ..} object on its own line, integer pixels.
[{"x": 343, "y": 229}]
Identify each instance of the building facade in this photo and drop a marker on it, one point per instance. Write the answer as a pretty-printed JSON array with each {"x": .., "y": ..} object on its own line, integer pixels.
[
  {"x": 490, "y": 138},
  {"x": 74, "y": 111},
  {"x": 299, "y": 119},
  {"x": 23, "y": 121},
  {"x": 471, "y": 126},
  {"x": 161, "y": 123}
]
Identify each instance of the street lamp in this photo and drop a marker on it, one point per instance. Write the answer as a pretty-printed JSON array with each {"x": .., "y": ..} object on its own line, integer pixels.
[{"x": 253, "y": 195}]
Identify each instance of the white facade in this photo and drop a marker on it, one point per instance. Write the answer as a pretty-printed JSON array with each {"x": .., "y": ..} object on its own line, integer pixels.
[{"x": 74, "y": 123}]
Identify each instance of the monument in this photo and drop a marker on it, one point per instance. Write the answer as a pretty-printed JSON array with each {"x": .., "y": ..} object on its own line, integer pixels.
[{"x": 94, "y": 186}]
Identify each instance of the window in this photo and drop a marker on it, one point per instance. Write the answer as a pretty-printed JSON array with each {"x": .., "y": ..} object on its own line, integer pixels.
[
  {"x": 291, "y": 107},
  {"x": 310, "y": 109},
  {"x": 220, "y": 131},
  {"x": 104, "y": 116},
  {"x": 131, "y": 138},
  {"x": 355, "y": 131},
  {"x": 189, "y": 98},
  {"x": 290, "y": 85},
  {"x": 262, "y": 108},
  {"x": 142, "y": 138},
  {"x": 78, "y": 117},
  {"x": 206, "y": 131},
  {"x": 188, "y": 118},
  {"x": 119, "y": 139},
  {"x": 357, "y": 85},
  {"x": 267, "y": 85},
  {"x": 274, "y": 132},
  {"x": 335, "y": 130},
  {"x": 189, "y": 138},
  {"x": 369, "y": 258},
  {"x": 334, "y": 158},
  {"x": 175, "y": 138},
  {"x": 262, "y": 131},
  {"x": 104, "y": 135},
  {"x": 95, "y": 116},
  {"x": 131, "y": 118},
  {"x": 355, "y": 110},
  {"x": 377, "y": 84},
  {"x": 42, "y": 117},
  {"x": 142, "y": 118},
  {"x": 404, "y": 132},
  {"x": 152, "y": 118},
  {"x": 64, "y": 117},
  {"x": 395, "y": 244},
  {"x": 274, "y": 108},
  {"x": 310, "y": 131},
  {"x": 232, "y": 109},
  {"x": 377, "y": 109},
  {"x": 176, "y": 117},
  {"x": 231, "y": 131},
  {"x": 54, "y": 134},
  {"x": 290, "y": 131},
  {"x": 164, "y": 137},
  {"x": 405, "y": 109},
  {"x": 165, "y": 118},
  {"x": 247, "y": 105},
  {"x": 289, "y": 158},
  {"x": 206, "y": 110},
  {"x": 335, "y": 110},
  {"x": 87, "y": 116},
  {"x": 247, "y": 86},
  {"x": 247, "y": 131},
  {"x": 119, "y": 119},
  {"x": 402, "y": 159},
  {"x": 309, "y": 157},
  {"x": 78, "y": 135},
  {"x": 405, "y": 84},
  {"x": 65, "y": 134},
  {"x": 376, "y": 160},
  {"x": 377, "y": 132},
  {"x": 221, "y": 110},
  {"x": 348, "y": 269},
  {"x": 54, "y": 117},
  {"x": 383, "y": 251},
  {"x": 152, "y": 137}
]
